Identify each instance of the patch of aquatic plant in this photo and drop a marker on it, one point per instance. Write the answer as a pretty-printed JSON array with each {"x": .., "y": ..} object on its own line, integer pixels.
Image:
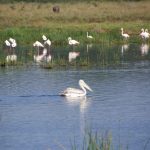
[
  {"x": 48, "y": 65},
  {"x": 95, "y": 141}
]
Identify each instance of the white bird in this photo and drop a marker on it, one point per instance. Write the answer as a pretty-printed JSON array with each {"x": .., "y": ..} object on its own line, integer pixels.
[
  {"x": 147, "y": 34},
  {"x": 124, "y": 35},
  {"x": 38, "y": 44},
  {"x": 44, "y": 38},
  {"x": 14, "y": 44},
  {"x": 144, "y": 49},
  {"x": 72, "y": 92},
  {"x": 89, "y": 36},
  {"x": 11, "y": 43},
  {"x": 12, "y": 40},
  {"x": 48, "y": 42},
  {"x": 142, "y": 34},
  {"x": 72, "y": 42},
  {"x": 7, "y": 43}
]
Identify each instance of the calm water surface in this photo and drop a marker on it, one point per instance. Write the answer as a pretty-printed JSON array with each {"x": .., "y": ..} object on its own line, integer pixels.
[{"x": 34, "y": 117}]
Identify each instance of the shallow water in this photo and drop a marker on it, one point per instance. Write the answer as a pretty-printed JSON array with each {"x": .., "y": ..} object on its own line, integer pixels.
[{"x": 33, "y": 116}]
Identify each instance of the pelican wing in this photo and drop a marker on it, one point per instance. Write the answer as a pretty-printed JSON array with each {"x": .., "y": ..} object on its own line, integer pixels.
[{"x": 71, "y": 92}]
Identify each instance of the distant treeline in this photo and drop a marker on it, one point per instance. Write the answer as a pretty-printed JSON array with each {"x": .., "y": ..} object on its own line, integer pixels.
[{"x": 62, "y": 1}]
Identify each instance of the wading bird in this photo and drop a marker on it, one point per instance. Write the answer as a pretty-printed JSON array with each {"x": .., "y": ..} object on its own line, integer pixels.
[
  {"x": 147, "y": 34},
  {"x": 11, "y": 43},
  {"x": 44, "y": 37},
  {"x": 72, "y": 42},
  {"x": 142, "y": 34},
  {"x": 73, "y": 92},
  {"x": 124, "y": 35},
  {"x": 38, "y": 44},
  {"x": 89, "y": 36}
]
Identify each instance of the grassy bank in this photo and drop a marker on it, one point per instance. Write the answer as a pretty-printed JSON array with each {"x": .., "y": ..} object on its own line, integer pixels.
[{"x": 28, "y": 21}]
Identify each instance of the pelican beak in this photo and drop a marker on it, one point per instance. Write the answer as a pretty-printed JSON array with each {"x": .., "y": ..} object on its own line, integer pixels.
[{"x": 87, "y": 87}]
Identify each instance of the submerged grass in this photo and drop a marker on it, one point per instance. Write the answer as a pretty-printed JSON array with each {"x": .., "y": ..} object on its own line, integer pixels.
[{"x": 26, "y": 22}]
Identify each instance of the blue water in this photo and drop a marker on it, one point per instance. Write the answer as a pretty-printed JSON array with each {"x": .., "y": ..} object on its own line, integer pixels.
[{"x": 34, "y": 117}]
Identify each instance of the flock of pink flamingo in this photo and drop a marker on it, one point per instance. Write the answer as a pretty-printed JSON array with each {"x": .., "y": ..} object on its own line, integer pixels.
[{"x": 43, "y": 48}]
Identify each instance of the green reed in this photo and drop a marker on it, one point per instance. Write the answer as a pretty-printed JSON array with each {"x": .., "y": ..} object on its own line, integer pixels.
[
  {"x": 110, "y": 34},
  {"x": 95, "y": 141}
]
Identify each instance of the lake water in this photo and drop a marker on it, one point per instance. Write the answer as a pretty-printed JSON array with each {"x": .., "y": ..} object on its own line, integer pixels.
[{"x": 34, "y": 117}]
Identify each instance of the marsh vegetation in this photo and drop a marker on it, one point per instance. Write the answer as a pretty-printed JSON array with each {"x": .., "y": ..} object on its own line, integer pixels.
[{"x": 28, "y": 21}]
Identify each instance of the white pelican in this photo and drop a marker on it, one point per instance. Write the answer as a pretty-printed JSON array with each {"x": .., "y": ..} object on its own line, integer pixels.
[
  {"x": 124, "y": 35},
  {"x": 72, "y": 42},
  {"x": 89, "y": 36},
  {"x": 72, "y": 92}
]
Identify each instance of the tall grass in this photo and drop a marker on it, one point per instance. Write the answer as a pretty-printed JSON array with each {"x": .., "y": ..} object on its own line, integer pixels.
[{"x": 28, "y": 21}]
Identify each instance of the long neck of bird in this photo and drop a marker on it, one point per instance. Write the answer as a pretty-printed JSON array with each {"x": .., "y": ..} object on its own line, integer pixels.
[
  {"x": 83, "y": 88},
  {"x": 122, "y": 31}
]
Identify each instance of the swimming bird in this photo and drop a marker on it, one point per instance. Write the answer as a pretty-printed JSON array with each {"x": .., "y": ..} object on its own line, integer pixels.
[
  {"x": 89, "y": 36},
  {"x": 73, "y": 92},
  {"x": 124, "y": 35},
  {"x": 72, "y": 42}
]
